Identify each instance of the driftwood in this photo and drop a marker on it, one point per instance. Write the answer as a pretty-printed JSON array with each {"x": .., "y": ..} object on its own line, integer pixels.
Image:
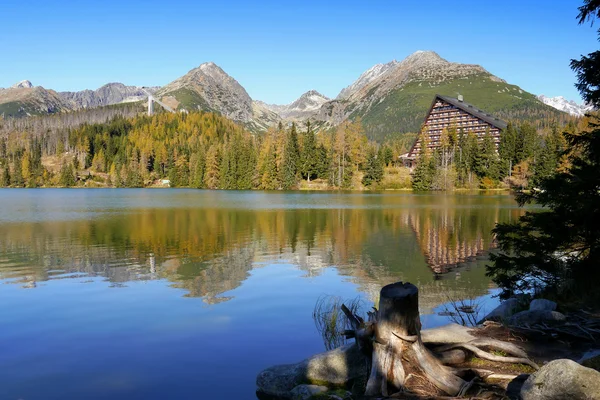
[{"x": 392, "y": 337}]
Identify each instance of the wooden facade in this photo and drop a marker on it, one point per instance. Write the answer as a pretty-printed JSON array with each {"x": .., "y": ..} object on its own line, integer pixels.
[{"x": 446, "y": 113}]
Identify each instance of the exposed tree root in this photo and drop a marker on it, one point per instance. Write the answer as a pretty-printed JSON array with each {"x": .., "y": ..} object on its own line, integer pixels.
[
  {"x": 489, "y": 356},
  {"x": 452, "y": 357},
  {"x": 488, "y": 375},
  {"x": 406, "y": 360}
]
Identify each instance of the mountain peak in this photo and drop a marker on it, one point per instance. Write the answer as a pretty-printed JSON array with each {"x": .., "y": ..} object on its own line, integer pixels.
[
  {"x": 568, "y": 106},
  {"x": 209, "y": 64},
  {"x": 424, "y": 57},
  {"x": 367, "y": 77},
  {"x": 212, "y": 89},
  {"x": 210, "y": 68},
  {"x": 303, "y": 107},
  {"x": 22, "y": 84},
  {"x": 313, "y": 93}
]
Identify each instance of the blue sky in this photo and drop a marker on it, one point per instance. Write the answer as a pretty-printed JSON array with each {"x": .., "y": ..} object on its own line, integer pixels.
[{"x": 279, "y": 50}]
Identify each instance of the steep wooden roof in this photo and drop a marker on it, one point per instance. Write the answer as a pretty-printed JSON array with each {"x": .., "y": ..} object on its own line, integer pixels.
[{"x": 471, "y": 109}]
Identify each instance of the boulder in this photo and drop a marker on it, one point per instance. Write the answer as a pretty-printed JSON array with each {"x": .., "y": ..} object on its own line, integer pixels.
[
  {"x": 542, "y": 305},
  {"x": 335, "y": 368},
  {"x": 305, "y": 392},
  {"x": 562, "y": 379},
  {"x": 531, "y": 317},
  {"x": 504, "y": 311}
]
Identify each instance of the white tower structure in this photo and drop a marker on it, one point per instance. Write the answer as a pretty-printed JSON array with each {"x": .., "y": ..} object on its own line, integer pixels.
[
  {"x": 150, "y": 105},
  {"x": 152, "y": 100}
]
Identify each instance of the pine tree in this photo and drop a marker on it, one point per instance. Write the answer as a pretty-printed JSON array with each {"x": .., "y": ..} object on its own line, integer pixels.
[
  {"x": 115, "y": 177},
  {"x": 5, "y": 177},
  {"x": 487, "y": 164},
  {"x": 374, "y": 169},
  {"x": 323, "y": 161},
  {"x": 387, "y": 155},
  {"x": 507, "y": 149},
  {"x": 76, "y": 163},
  {"x": 134, "y": 177},
  {"x": 3, "y": 152},
  {"x": 526, "y": 143},
  {"x": 269, "y": 179},
  {"x": 99, "y": 162},
  {"x": 26, "y": 167},
  {"x": 197, "y": 166},
  {"x": 309, "y": 154},
  {"x": 424, "y": 171},
  {"x": 172, "y": 174},
  {"x": 17, "y": 175},
  {"x": 213, "y": 162},
  {"x": 182, "y": 168},
  {"x": 290, "y": 160},
  {"x": 67, "y": 175},
  {"x": 546, "y": 159},
  {"x": 558, "y": 250}
]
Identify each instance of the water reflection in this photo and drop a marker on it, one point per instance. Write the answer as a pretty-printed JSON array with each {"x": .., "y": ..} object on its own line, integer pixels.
[{"x": 207, "y": 242}]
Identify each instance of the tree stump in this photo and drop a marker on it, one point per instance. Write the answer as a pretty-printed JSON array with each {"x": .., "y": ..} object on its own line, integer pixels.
[{"x": 398, "y": 352}]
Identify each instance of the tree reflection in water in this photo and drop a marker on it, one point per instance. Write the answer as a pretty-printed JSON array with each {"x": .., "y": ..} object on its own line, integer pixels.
[{"x": 209, "y": 249}]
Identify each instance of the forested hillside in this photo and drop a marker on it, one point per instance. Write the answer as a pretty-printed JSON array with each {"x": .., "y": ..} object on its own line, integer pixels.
[
  {"x": 207, "y": 150},
  {"x": 403, "y": 110},
  {"x": 200, "y": 150}
]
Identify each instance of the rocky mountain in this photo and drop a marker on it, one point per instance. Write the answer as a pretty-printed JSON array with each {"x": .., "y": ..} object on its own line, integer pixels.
[
  {"x": 390, "y": 98},
  {"x": 22, "y": 84},
  {"x": 304, "y": 107},
  {"x": 24, "y": 99},
  {"x": 111, "y": 93},
  {"x": 209, "y": 88},
  {"x": 366, "y": 77},
  {"x": 393, "y": 98},
  {"x": 568, "y": 106}
]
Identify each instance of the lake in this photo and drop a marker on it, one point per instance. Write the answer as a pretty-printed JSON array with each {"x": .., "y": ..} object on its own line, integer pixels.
[{"x": 188, "y": 294}]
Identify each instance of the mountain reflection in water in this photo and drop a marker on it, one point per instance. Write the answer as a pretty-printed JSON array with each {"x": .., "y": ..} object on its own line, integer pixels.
[{"x": 207, "y": 242}]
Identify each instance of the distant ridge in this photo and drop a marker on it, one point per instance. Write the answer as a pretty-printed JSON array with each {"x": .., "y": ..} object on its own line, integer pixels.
[{"x": 391, "y": 98}]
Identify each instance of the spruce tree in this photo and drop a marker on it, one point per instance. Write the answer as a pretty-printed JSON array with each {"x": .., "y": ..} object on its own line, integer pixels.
[
  {"x": 269, "y": 179},
  {"x": 17, "y": 175},
  {"x": 290, "y": 160},
  {"x": 546, "y": 159},
  {"x": 67, "y": 175},
  {"x": 247, "y": 167},
  {"x": 323, "y": 162},
  {"x": 487, "y": 161},
  {"x": 5, "y": 177},
  {"x": 422, "y": 178},
  {"x": 309, "y": 156},
  {"x": 508, "y": 149},
  {"x": 526, "y": 143},
  {"x": 3, "y": 152},
  {"x": 558, "y": 249},
  {"x": 198, "y": 164},
  {"x": 212, "y": 175},
  {"x": 387, "y": 155},
  {"x": 374, "y": 169}
]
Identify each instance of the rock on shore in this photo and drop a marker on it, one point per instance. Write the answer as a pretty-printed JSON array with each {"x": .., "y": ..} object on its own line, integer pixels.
[
  {"x": 562, "y": 379},
  {"x": 335, "y": 368}
]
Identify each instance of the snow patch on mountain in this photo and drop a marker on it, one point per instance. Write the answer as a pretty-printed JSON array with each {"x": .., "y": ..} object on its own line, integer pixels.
[{"x": 568, "y": 106}]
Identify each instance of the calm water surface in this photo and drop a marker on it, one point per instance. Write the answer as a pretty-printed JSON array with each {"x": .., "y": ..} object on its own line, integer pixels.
[{"x": 186, "y": 294}]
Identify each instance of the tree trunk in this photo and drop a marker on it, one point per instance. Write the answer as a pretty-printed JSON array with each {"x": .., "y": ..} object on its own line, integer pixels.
[{"x": 398, "y": 352}]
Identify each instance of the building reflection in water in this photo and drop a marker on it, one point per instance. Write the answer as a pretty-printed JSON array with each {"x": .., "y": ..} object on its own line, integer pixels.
[{"x": 210, "y": 251}]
